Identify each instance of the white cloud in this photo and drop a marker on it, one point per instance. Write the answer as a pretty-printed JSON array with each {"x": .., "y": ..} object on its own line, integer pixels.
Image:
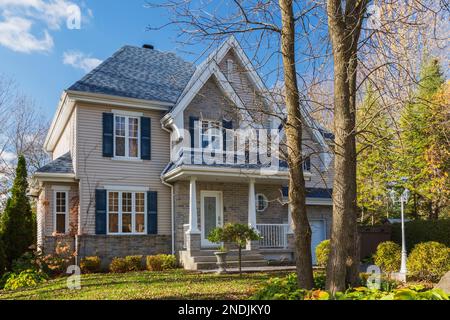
[
  {"x": 80, "y": 60},
  {"x": 22, "y": 17},
  {"x": 15, "y": 35},
  {"x": 8, "y": 157}
]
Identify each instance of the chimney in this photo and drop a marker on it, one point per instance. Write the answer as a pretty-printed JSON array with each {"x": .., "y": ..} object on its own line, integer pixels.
[{"x": 148, "y": 46}]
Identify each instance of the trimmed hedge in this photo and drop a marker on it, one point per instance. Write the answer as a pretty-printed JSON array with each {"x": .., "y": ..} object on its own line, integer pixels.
[
  {"x": 90, "y": 264},
  {"x": 418, "y": 231},
  {"x": 322, "y": 253},
  {"x": 429, "y": 261},
  {"x": 388, "y": 256},
  {"x": 161, "y": 262}
]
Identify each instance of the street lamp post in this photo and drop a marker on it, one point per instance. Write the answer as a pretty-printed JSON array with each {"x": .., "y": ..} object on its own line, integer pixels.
[{"x": 402, "y": 199}]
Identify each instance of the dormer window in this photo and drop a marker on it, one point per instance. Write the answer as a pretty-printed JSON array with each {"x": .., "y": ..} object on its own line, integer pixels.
[{"x": 126, "y": 136}]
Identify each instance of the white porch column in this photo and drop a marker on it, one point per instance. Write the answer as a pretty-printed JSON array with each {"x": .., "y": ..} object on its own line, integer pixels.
[
  {"x": 193, "y": 222},
  {"x": 290, "y": 229},
  {"x": 251, "y": 204}
]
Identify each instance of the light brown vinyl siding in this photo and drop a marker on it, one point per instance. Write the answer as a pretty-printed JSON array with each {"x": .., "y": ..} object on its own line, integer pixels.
[
  {"x": 94, "y": 171},
  {"x": 66, "y": 141},
  {"x": 46, "y": 205}
]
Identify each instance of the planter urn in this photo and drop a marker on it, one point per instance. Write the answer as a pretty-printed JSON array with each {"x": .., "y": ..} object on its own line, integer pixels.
[{"x": 221, "y": 261}]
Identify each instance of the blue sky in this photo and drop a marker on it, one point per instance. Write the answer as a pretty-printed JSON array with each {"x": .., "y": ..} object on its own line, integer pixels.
[{"x": 37, "y": 64}]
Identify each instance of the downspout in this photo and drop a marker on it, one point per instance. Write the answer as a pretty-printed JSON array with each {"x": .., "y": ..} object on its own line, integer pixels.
[{"x": 172, "y": 202}]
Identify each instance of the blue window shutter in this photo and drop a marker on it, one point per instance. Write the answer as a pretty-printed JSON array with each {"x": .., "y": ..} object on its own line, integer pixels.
[
  {"x": 108, "y": 135},
  {"x": 100, "y": 211},
  {"x": 192, "y": 121},
  {"x": 152, "y": 212},
  {"x": 227, "y": 125},
  {"x": 146, "y": 138}
]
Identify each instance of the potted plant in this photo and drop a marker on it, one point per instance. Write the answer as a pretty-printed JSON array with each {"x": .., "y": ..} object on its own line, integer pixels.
[
  {"x": 234, "y": 233},
  {"x": 216, "y": 236}
]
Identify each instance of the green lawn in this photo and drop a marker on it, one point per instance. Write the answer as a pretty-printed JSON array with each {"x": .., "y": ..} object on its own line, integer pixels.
[{"x": 177, "y": 284}]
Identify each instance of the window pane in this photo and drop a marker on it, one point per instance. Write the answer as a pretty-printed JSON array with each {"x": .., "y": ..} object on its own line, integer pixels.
[
  {"x": 113, "y": 204},
  {"x": 127, "y": 202},
  {"x": 120, "y": 126},
  {"x": 133, "y": 124},
  {"x": 113, "y": 223},
  {"x": 133, "y": 147},
  {"x": 60, "y": 223},
  {"x": 140, "y": 202},
  {"x": 60, "y": 202},
  {"x": 126, "y": 223},
  {"x": 140, "y": 223},
  {"x": 120, "y": 146}
]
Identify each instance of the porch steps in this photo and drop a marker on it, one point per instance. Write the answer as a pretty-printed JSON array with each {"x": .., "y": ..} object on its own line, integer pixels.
[{"x": 206, "y": 260}]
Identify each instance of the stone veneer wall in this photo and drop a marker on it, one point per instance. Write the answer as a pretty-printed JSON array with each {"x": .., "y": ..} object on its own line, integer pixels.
[{"x": 108, "y": 247}]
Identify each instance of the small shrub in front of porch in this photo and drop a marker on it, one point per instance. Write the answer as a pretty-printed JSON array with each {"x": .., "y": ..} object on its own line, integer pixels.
[
  {"x": 90, "y": 264},
  {"x": 118, "y": 265},
  {"x": 134, "y": 263},
  {"x": 161, "y": 262},
  {"x": 127, "y": 264}
]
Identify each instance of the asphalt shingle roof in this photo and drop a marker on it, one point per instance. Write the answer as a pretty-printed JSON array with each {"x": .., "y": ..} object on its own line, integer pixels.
[
  {"x": 139, "y": 73},
  {"x": 62, "y": 164},
  {"x": 313, "y": 192}
]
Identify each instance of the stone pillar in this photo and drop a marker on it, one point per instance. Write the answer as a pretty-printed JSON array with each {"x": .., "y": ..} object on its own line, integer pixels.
[
  {"x": 252, "y": 245},
  {"x": 193, "y": 233}
]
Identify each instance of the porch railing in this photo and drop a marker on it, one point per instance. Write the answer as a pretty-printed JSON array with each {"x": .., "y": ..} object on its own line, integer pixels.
[{"x": 273, "y": 235}]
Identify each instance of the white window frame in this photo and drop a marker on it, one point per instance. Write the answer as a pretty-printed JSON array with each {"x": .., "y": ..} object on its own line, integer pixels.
[
  {"x": 257, "y": 202},
  {"x": 210, "y": 135},
  {"x": 127, "y": 136},
  {"x": 66, "y": 226},
  {"x": 133, "y": 213}
]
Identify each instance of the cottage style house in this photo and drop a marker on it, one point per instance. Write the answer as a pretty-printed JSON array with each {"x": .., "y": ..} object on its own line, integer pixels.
[{"x": 129, "y": 175}]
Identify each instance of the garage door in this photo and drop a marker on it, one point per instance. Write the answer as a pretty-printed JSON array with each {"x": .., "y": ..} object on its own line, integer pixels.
[{"x": 318, "y": 235}]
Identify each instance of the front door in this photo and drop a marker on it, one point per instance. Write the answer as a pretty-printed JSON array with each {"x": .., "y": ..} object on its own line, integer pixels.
[{"x": 211, "y": 211}]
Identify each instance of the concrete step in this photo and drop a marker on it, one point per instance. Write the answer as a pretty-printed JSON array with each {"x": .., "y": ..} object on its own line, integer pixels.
[
  {"x": 231, "y": 264},
  {"x": 210, "y": 253},
  {"x": 249, "y": 257}
]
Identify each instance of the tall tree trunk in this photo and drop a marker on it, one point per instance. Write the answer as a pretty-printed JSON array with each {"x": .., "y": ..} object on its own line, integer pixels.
[
  {"x": 344, "y": 25},
  {"x": 293, "y": 128}
]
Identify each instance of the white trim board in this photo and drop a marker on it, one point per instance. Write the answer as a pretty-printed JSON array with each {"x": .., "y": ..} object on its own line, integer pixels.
[{"x": 126, "y": 188}]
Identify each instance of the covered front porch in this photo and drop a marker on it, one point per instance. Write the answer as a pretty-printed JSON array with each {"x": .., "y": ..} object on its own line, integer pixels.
[
  {"x": 205, "y": 198},
  {"x": 261, "y": 206}
]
